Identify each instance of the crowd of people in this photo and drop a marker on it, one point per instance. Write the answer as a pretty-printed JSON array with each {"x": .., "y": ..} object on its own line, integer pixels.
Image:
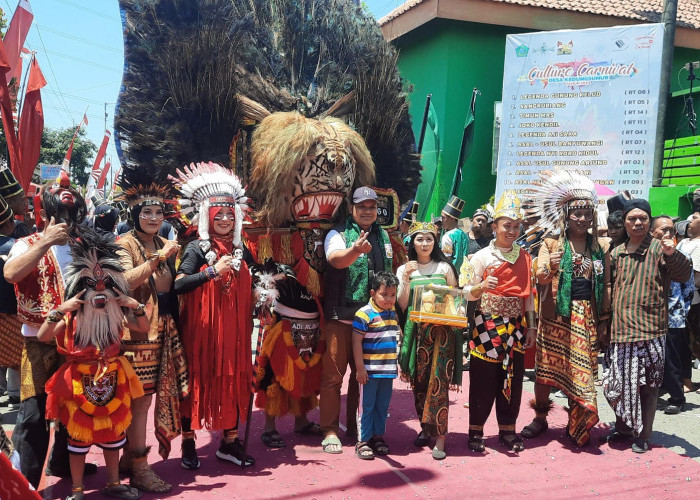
[{"x": 98, "y": 325}]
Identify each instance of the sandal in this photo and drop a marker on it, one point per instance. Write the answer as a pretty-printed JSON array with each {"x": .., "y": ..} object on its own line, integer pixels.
[
  {"x": 310, "y": 429},
  {"x": 476, "y": 443},
  {"x": 272, "y": 439},
  {"x": 119, "y": 490},
  {"x": 76, "y": 493},
  {"x": 534, "y": 428},
  {"x": 512, "y": 441},
  {"x": 144, "y": 479},
  {"x": 331, "y": 444},
  {"x": 615, "y": 437},
  {"x": 421, "y": 440},
  {"x": 363, "y": 451},
  {"x": 379, "y": 446}
]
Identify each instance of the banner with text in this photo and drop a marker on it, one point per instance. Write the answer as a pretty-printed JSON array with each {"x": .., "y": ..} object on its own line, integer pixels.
[{"x": 583, "y": 100}]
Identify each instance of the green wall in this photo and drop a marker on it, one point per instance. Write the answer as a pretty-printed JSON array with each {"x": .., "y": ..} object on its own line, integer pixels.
[{"x": 448, "y": 58}]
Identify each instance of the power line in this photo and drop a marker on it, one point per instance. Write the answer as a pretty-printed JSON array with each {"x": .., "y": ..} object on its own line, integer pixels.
[
  {"x": 92, "y": 43},
  {"x": 84, "y": 61},
  {"x": 85, "y": 9}
]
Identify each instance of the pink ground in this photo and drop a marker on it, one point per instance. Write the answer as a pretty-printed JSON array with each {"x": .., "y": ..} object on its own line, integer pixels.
[{"x": 550, "y": 467}]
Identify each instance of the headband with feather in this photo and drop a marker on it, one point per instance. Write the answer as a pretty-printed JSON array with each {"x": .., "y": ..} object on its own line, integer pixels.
[{"x": 205, "y": 185}]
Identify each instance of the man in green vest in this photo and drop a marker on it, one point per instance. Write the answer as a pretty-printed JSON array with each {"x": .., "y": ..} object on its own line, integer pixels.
[{"x": 454, "y": 242}]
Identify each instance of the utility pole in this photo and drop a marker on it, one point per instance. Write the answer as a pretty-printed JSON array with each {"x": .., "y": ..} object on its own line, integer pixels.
[{"x": 669, "y": 19}]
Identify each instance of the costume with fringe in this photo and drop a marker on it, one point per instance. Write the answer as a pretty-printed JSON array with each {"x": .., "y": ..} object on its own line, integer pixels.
[
  {"x": 570, "y": 300},
  {"x": 91, "y": 392},
  {"x": 216, "y": 320},
  {"x": 288, "y": 369}
]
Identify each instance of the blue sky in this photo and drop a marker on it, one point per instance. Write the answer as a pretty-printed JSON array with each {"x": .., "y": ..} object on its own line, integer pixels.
[{"x": 79, "y": 49}]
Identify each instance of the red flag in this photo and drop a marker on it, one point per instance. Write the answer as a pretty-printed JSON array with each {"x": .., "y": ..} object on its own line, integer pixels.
[
  {"x": 6, "y": 109},
  {"x": 14, "y": 38},
  {"x": 66, "y": 160},
  {"x": 100, "y": 155},
  {"x": 103, "y": 177},
  {"x": 116, "y": 179},
  {"x": 31, "y": 125}
]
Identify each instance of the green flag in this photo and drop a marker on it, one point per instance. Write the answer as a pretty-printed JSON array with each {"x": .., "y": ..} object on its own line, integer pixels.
[
  {"x": 467, "y": 140},
  {"x": 430, "y": 160}
]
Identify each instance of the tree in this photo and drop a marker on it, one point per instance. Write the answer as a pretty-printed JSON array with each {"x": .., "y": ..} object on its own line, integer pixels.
[{"x": 55, "y": 143}]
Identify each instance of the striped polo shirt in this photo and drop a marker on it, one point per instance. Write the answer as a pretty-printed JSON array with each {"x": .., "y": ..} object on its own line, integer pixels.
[
  {"x": 380, "y": 331},
  {"x": 640, "y": 283}
]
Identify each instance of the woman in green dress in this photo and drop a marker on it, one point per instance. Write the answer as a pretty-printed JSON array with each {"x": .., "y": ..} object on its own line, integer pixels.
[{"x": 430, "y": 355}]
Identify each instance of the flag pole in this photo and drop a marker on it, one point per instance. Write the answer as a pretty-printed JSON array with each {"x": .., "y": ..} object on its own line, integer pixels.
[
  {"x": 457, "y": 179},
  {"x": 424, "y": 123}
]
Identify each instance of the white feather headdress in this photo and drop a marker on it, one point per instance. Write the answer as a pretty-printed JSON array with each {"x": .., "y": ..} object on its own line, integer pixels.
[
  {"x": 204, "y": 185},
  {"x": 552, "y": 193}
]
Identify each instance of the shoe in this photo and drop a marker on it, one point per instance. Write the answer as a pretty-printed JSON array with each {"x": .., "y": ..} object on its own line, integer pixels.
[
  {"x": 438, "y": 454},
  {"x": 233, "y": 452},
  {"x": 640, "y": 445},
  {"x": 189, "y": 460},
  {"x": 64, "y": 470},
  {"x": 673, "y": 409},
  {"x": 615, "y": 437}
]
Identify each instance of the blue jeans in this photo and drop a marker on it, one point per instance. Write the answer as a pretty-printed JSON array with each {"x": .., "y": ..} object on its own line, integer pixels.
[{"x": 376, "y": 395}]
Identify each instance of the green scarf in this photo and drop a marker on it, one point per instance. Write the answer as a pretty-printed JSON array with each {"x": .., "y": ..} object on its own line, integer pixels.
[
  {"x": 566, "y": 273},
  {"x": 357, "y": 284}
]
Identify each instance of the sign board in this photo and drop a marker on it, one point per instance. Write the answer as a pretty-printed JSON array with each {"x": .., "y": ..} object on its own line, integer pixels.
[
  {"x": 583, "y": 100},
  {"x": 50, "y": 172}
]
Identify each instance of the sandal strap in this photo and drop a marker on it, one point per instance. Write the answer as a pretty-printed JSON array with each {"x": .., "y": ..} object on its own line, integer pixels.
[{"x": 77, "y": 489}]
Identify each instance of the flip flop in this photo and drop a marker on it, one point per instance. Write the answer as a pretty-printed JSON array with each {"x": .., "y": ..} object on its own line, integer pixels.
[
  {"x": 122, "y": 491},
  {"x": 330, "y": 441},
  {"x": 310, "y": 429}
]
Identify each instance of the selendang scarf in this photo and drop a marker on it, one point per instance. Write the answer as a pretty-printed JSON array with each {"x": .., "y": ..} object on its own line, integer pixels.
[
  {"x": 357, "y": 286},
  {"x": 566, "y": 272}
]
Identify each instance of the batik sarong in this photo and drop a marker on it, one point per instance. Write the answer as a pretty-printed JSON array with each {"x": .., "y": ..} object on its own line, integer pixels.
[
  {"x": 11, "y": 340},
  {"x": 567, "y": 360},
  {"x": 631, "y": 365}
]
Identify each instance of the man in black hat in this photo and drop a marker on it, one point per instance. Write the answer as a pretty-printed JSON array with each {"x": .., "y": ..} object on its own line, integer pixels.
[
  {"x": 643, "y": 268},
  {"x": 356, "y": 249},
  {"x": 454, "y": 241}
]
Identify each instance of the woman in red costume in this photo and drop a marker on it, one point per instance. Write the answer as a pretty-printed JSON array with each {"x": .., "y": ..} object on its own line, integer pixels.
[{"x": 216, "y": 321}]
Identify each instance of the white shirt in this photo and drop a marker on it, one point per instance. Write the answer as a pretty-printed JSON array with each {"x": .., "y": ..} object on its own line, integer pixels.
[
  {"x": 691, "y": 248},
  {"x": 63, "y": 257}
]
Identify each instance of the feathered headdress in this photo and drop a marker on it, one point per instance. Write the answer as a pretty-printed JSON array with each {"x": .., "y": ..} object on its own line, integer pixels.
[
  {"x": 558, "y": 191},
  {"x": 142, "y": 186},
  {"x": 205, "y": 185}
]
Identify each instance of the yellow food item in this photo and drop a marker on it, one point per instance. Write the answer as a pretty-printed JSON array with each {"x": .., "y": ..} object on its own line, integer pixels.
[
  {"x": 449, "y": 304},
  {"x": 428, "y": 300}
]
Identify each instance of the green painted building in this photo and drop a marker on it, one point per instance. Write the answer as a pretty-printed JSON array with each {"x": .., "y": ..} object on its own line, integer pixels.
[{"x": 447, "y": 47}]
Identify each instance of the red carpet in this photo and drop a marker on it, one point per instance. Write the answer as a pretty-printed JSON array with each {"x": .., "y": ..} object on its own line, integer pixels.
[{"x": 550, "y": 467}]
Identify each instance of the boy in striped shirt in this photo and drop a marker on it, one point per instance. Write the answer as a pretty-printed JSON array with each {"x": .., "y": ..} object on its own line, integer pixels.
[{"x": 376, "y": 330}]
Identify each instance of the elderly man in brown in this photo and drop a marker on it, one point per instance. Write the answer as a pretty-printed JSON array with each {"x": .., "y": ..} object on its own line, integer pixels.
[{"x": 641, "y": 270}]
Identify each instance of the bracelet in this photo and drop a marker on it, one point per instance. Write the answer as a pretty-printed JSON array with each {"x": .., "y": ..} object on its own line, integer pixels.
[
  {"x": 55, "y": 316},
  {"x": 211, "y": 272},
  {"x": 159, "y": 254},
  {"x": 140, "y": 311}
]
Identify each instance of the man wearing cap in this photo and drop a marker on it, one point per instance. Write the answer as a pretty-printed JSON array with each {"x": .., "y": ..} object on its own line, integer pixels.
[
  {"x": 454, "y": 241},
  {"x": 356, "y": 249},
  {"x": 480, "y": 233},
  {"x": 641, "y": 270}
]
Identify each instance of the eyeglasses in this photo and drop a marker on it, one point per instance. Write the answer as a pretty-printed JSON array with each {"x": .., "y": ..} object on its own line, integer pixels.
[
  {"x": 151, "y": 216},
  {"x": 224, "y": 216}
]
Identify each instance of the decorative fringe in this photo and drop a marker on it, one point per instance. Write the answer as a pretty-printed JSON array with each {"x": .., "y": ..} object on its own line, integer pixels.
[
  {"x": 541, "y": 410},
  {"x": 286, "y": 255},
  {"x": 264, "y": 248}
]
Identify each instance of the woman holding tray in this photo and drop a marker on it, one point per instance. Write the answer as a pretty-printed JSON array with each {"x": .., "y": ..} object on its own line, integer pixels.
[
  {"x": 431, "y": 355},
  {"x": 500, "y": 276}
]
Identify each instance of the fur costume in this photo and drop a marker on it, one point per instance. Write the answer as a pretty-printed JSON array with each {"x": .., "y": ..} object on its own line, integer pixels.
[
  {"x": 317, "y": 83},
  {"x": 91, "y": 392}
]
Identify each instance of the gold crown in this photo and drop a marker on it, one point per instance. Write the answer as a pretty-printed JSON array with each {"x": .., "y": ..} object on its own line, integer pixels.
[
  {"x": 422, "y": 227},
  {"x": 508, "y": 206}
]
